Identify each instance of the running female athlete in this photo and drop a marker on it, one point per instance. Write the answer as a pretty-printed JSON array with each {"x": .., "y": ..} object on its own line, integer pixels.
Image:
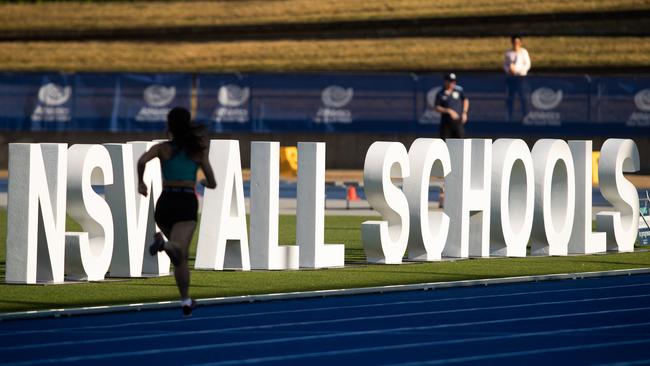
[{"x": 176, "y": 209}]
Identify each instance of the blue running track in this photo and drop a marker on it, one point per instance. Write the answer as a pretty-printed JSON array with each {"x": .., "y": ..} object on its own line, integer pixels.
[{"x": 598, "y": 321}]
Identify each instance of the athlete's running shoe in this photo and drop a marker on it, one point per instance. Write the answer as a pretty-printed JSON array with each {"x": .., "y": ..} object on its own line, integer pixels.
[
  {"x": 158, "y": 244},
  {"x": 187, "y": 309}
]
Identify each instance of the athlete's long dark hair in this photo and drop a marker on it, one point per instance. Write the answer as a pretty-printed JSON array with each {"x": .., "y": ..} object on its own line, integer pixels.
[{"x": 185, "y": 134}]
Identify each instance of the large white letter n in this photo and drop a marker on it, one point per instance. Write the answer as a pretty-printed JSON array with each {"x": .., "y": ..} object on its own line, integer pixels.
[{"x": 36, "y": 212}]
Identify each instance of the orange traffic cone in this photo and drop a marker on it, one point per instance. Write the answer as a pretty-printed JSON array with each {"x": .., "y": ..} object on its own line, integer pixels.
[{"x": 351, "y": 196}]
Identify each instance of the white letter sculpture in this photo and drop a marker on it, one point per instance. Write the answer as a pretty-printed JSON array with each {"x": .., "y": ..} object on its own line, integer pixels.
[
  {"x": 88, "y": 254},
  {"x": 618, "y": 156},
  {"x": 386, "y": 241},
  {"x": 36, "y": 213},
  {"x": 310, "y": 213},
  {"x": 428, "y": 230},
  {"x": 583, "y": 240},
  {"x": 223, "y": 237},
  {"x": 133, "y": 214},
  {"x": 554, "y": 197},
  {"x": 467, "y": 198},
  {"x": 513, "y": 198},
  {"x": 264, "y": 207}
]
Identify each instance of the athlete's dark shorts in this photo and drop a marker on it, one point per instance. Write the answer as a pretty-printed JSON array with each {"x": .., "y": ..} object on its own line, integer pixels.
[{"x": 176, "y": 205}]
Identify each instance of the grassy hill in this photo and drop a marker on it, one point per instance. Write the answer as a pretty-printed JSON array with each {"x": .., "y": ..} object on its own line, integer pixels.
[
  {"x": 327, "y": 35},
  {"x": 144, "y": 14},
  {"x": 412, "y": 54}
]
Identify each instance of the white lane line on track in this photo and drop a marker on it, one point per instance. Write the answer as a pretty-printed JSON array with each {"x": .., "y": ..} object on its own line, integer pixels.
[
  {"x": 356, "y": 333},
  {"x": 248, "y": 328},
  {"x": 419, "y": 344},
  {"x": 448, "y": 361},
  {"x": 328, "y": 321},
  {"x": 320, "y": 293},
  {"x": 628, "y": 363},
  {"x": 295, "y": 311},
  {"x": 523, "y": 353}
]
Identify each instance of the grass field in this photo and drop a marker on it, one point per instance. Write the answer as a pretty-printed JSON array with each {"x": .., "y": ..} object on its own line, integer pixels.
[
  {"x": 338, "y": 229},
  {"x": 147, "y": 14},
  {"x": 334, "y": 55},
  {"x": 472, "y": 51}
]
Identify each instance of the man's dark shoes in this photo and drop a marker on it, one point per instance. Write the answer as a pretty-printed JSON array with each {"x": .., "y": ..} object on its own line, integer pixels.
[{"x": 158, "y": 244}]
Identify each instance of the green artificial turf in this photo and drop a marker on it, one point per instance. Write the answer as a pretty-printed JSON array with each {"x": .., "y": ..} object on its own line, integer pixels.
[{"x": 338, "y": 229}]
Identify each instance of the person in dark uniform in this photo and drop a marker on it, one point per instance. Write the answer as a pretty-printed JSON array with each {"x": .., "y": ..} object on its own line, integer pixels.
[{"x": 453, "y": 106}]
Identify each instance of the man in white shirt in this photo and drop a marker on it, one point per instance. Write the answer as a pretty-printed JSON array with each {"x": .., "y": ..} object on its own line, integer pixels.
[{"x": 516, "y": 64}]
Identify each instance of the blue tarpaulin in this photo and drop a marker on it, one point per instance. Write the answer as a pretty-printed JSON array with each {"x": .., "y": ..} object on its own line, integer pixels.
[{"x": 324, "y": 102}]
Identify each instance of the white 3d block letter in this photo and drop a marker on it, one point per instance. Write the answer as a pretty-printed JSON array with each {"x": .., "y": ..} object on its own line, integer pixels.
[
  {"x": 554, "y": 197},
  {"x": 428, "y": 230},
  {"x": 36, "y": 212},
  {"x": 264, "y": 208},
  {"x": 618, "y": 156},
  {"x": 467, "y": 198},
  {"x": 513, "y": 198},
  {"x": 583, "y": 240},
  {"x": 310, "y": 213},
  {"x": 223, "y": 237},
  {"x": 88, "y": 254},
  {"x": 386, "y": 241},
  {"x": 133, "y": 214},
  {"x": 157, "y": 265}
]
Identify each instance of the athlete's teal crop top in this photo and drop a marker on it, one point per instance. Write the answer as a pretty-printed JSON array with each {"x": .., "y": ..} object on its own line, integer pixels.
[{"x": 179, "y": 166}]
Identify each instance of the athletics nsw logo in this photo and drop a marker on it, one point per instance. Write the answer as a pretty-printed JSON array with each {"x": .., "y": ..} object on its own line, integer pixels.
[
  {"x": 334, "y": 99},
  {"x": 641, "y": 117},
  {"x": 157, "y": 99},
  {"x": 545, "y": 100},
  {"x": 232, "y": 99},
  {"x": 52, "y": 98},
  {"x": 159, "y": 95}
]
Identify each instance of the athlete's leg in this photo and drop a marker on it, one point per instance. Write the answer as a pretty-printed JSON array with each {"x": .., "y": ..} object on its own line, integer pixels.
[
  {"x": 158, "y": 244},
  {"x": 165, "y": 230},
  {"x": 178, "y": 250}
]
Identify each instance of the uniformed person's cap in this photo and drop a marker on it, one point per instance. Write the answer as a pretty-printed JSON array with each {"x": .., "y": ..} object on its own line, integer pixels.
[{"x": 450, "y": 77}]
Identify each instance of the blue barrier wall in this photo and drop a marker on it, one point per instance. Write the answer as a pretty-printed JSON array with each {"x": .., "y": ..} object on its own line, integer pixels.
[{"x": 332, "y": 102}]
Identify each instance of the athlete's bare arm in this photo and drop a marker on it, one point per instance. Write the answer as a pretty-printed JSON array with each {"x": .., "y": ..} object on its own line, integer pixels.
[
  {"x": 209, "y": 181},
  {"x": 152, "y": 153}
]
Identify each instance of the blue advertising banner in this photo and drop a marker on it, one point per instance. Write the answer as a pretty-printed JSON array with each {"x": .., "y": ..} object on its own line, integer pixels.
[
  {"x": 36, "y": 102},
  {"x": 557, "y": 101},
  {"x": 95, "y": 101},
  {"x": 325, "y": 102},
  {"x": 333, "y": 102},
  {"x": 223, "y": 102},
  {"x": 622, "y": 101},
  {"x": 145, "y": 100},
  {"x": 512, "y": 105}
]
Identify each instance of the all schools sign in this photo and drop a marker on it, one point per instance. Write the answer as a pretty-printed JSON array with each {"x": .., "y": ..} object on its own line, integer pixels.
[{"x": 499, "y": 197}]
